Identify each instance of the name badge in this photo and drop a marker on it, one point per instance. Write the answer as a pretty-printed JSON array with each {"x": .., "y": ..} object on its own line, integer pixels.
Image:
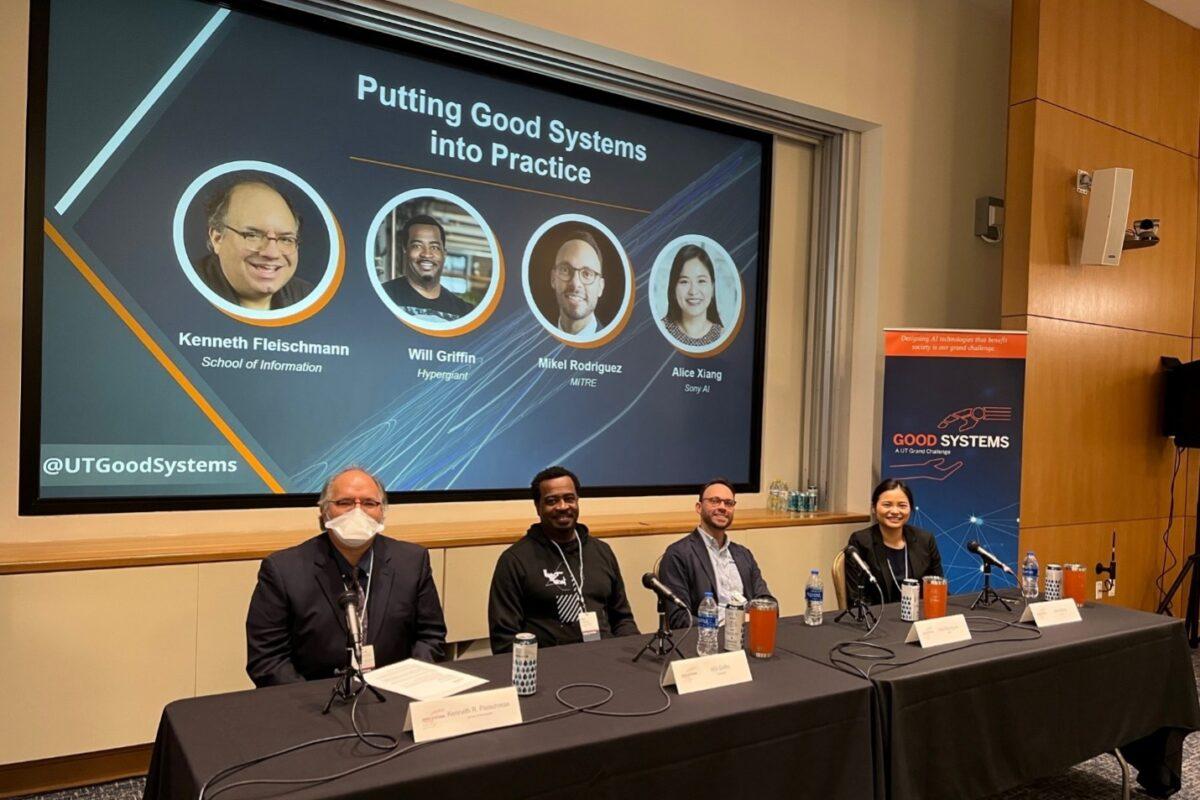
[
  {"x": 465, "y": 713},
  {"x": 939, "y": 631},
  {"x": 368, "y": 658},
  {"x": 1050, "y": 613},
  {"x": 708, "y": 672},
  {"x": 589, "y": 626}
]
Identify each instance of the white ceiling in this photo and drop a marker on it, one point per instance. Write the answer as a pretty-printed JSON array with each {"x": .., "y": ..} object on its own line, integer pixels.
[{"x": 1186, "y": 10}]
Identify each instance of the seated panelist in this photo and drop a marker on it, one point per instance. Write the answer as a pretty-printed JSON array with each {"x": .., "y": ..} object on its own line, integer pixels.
[
  {"x": 893, "y": 549},
  {"x": 558, "y": 582},
  {"x": 296, "y": 630},
  {"x": 707, "y": 561}
]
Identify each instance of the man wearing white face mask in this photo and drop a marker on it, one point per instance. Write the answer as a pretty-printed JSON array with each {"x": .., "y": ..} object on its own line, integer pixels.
[{"x": 295, "y": 629}]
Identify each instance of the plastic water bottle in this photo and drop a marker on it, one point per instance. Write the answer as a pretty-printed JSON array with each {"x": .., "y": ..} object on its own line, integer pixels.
[
  {"x": 1029, "y": 577},
  {"x": 814, "y": 599},
  {"x": 706, "y": 617},
  {"x": 773, "y": 497}
]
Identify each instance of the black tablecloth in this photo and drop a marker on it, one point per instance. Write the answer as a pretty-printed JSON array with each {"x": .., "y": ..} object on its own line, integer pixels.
[
  {"x": 979, "y": 720},
  {"x": 798, "y": 730}
]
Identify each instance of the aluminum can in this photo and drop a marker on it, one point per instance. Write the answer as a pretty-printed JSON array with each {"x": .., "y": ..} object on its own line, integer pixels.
[
  {"x": 735, "y": 622},
  {"x": 910, "y": 600},
  {"x": 794, "y": 500},
  {"x": 1053, "y": 582},
  {"x": 524, "y": 668},
  {"x": 813, "y": 498}
]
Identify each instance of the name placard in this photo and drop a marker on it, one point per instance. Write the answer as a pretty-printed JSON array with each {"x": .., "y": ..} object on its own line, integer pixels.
[
  {"x": 939, "y": 631},
  {"x": 467, "y": 713},
  {"x": 1050, "y": 613},
  {"x": 708, "y": 672}
]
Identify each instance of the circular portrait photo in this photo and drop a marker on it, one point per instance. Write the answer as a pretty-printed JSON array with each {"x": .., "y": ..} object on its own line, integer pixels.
[
  {"x": 577, "y": 280},
  {"x": 696, "y": 295},
  {"x": 434, "y": 261},
  {"x": 258, "y": 242}
]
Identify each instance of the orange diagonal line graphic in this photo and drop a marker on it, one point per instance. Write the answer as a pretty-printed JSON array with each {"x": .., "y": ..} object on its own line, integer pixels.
[{"x": 161, "y": 356}]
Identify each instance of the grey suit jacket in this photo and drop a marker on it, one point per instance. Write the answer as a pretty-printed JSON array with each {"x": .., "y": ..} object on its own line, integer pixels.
[{"x": 687, "y": 570}]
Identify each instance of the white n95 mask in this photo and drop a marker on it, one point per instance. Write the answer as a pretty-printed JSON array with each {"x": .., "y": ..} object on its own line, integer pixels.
[{"x": 354, "y": 528}]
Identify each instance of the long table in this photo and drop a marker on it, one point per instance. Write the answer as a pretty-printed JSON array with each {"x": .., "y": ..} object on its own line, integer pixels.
[
  {"x": 965, "y": 722},
  {"x": 953, "y": 722},
  {"x": 799, "y": 729}
]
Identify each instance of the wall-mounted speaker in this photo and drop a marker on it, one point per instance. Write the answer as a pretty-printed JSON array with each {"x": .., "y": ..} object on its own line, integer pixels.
[
  {"x": 1108, "y": 209},
  {"x": 1181, "y": 401}
]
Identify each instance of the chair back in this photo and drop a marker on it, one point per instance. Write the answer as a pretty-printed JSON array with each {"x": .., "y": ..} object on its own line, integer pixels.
[{"x": 839, "y": 577}]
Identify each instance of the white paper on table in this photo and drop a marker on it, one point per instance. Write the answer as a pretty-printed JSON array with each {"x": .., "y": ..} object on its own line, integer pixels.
[{"x": 421, "y": 680}]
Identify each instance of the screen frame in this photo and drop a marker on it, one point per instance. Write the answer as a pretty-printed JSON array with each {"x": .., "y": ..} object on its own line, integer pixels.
[{"x": 30, "y": 503}]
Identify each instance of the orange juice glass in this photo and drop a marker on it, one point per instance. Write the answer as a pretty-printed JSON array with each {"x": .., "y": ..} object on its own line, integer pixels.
[
  {"x": 934, "y": 604},
  {"x": 764, "y": 619},
  {"x": 1074, "y": 580}
]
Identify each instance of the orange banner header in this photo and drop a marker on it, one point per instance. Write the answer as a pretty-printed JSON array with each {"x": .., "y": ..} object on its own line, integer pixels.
[{"x": 954, "y": 344}]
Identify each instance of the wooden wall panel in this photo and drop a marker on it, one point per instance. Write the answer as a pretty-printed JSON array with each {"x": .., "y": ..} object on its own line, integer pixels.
[
  {"x": 1139, "y": 554},
  {"x": 1123, "y": 62},
  {"x": 1023, "y": 53},
  {"x": 1018, "y": 202},
  {"x": 1152, "y": 289},
  {"x": 1092, "y": 447}
]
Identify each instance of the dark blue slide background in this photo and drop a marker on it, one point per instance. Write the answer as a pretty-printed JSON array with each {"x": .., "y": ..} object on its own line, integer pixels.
[{"x": 262, "y": 90}]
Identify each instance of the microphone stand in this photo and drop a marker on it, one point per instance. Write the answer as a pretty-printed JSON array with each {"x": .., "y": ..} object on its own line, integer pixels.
[
  {"x": 988, "y": 595},
  {"x": 860, "y": 612},
  {"x": 351, "y": 682},
  {"x": 661, "y": 643}
]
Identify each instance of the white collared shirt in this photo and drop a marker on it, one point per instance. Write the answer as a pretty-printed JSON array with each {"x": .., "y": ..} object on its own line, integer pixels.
[
  {"x": 588, "y": 330},
  {"x": 729, "y": 580}
]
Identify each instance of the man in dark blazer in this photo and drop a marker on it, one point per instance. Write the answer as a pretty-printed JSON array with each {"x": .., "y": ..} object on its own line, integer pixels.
[
  {"x": 295, "y": 629},
  {"x": 706, "y": 560}
]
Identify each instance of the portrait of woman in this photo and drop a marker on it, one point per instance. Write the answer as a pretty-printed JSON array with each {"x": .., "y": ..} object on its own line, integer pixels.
[
  {"x": 893, "y": 549},
  {"x": 692, "y": 316}
]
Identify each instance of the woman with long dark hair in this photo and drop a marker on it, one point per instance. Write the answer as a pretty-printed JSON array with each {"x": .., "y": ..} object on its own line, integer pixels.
[
  {"x": 692, "y": 316},
  {"x": 893, "y": 549}
]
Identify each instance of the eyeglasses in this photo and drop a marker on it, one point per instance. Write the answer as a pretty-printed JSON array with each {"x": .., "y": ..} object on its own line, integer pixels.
[
  {"x": 720, "y": 501},
  {"x": 347, "y": 503},
  {"x": 256, "y": 240},
  {"x": 564, "y": 272}
]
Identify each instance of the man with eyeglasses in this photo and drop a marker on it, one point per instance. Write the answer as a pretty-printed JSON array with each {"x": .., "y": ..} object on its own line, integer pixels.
[
  {"x": 558, "y": 582},
  {"x": 254, "y": 246},
  {"x": 296, "y": 630},
  {"x": 706, "y": 560},
  {"x": 419, "y": 291},
  {"x": 577, "y": 278}
]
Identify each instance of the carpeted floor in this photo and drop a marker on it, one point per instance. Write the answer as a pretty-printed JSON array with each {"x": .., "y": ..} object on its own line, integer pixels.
[{"x": 1096, "y": 779}]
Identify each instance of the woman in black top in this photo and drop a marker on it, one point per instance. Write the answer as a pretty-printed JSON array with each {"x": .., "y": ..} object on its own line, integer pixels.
[{"x": 893, "y": 549}]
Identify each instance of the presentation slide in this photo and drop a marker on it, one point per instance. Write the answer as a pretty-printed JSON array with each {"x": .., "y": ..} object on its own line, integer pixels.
[{"x": 266, "y": 247}]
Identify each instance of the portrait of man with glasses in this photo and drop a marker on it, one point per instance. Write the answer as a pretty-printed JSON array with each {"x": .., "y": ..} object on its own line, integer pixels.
[
  {"x": 253, "y": 247},
  {"x": 706, "y": 560},
  {"x": 577, "y": 277}
]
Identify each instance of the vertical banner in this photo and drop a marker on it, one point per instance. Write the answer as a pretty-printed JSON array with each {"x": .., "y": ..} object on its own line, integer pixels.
[{"x": 952, "y": 415}]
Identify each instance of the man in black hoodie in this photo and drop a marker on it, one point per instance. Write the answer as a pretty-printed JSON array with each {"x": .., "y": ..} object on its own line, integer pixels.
[{"x": 557, "y": 583}]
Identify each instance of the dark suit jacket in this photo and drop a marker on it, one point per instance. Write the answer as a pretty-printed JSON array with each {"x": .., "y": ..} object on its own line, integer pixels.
[
  {"x": 295, "y": 630},
  {"x": 923, "y": 559},
  {"x": 687, "y": 570}
]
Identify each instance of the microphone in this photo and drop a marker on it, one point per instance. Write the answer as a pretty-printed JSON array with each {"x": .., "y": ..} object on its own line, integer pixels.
[
  {"x": 852, "y": 554},
  {"x": 349, "y": 603},
  {"x": 651, "y": 582},
  {"x": 987, "y": 557}
]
